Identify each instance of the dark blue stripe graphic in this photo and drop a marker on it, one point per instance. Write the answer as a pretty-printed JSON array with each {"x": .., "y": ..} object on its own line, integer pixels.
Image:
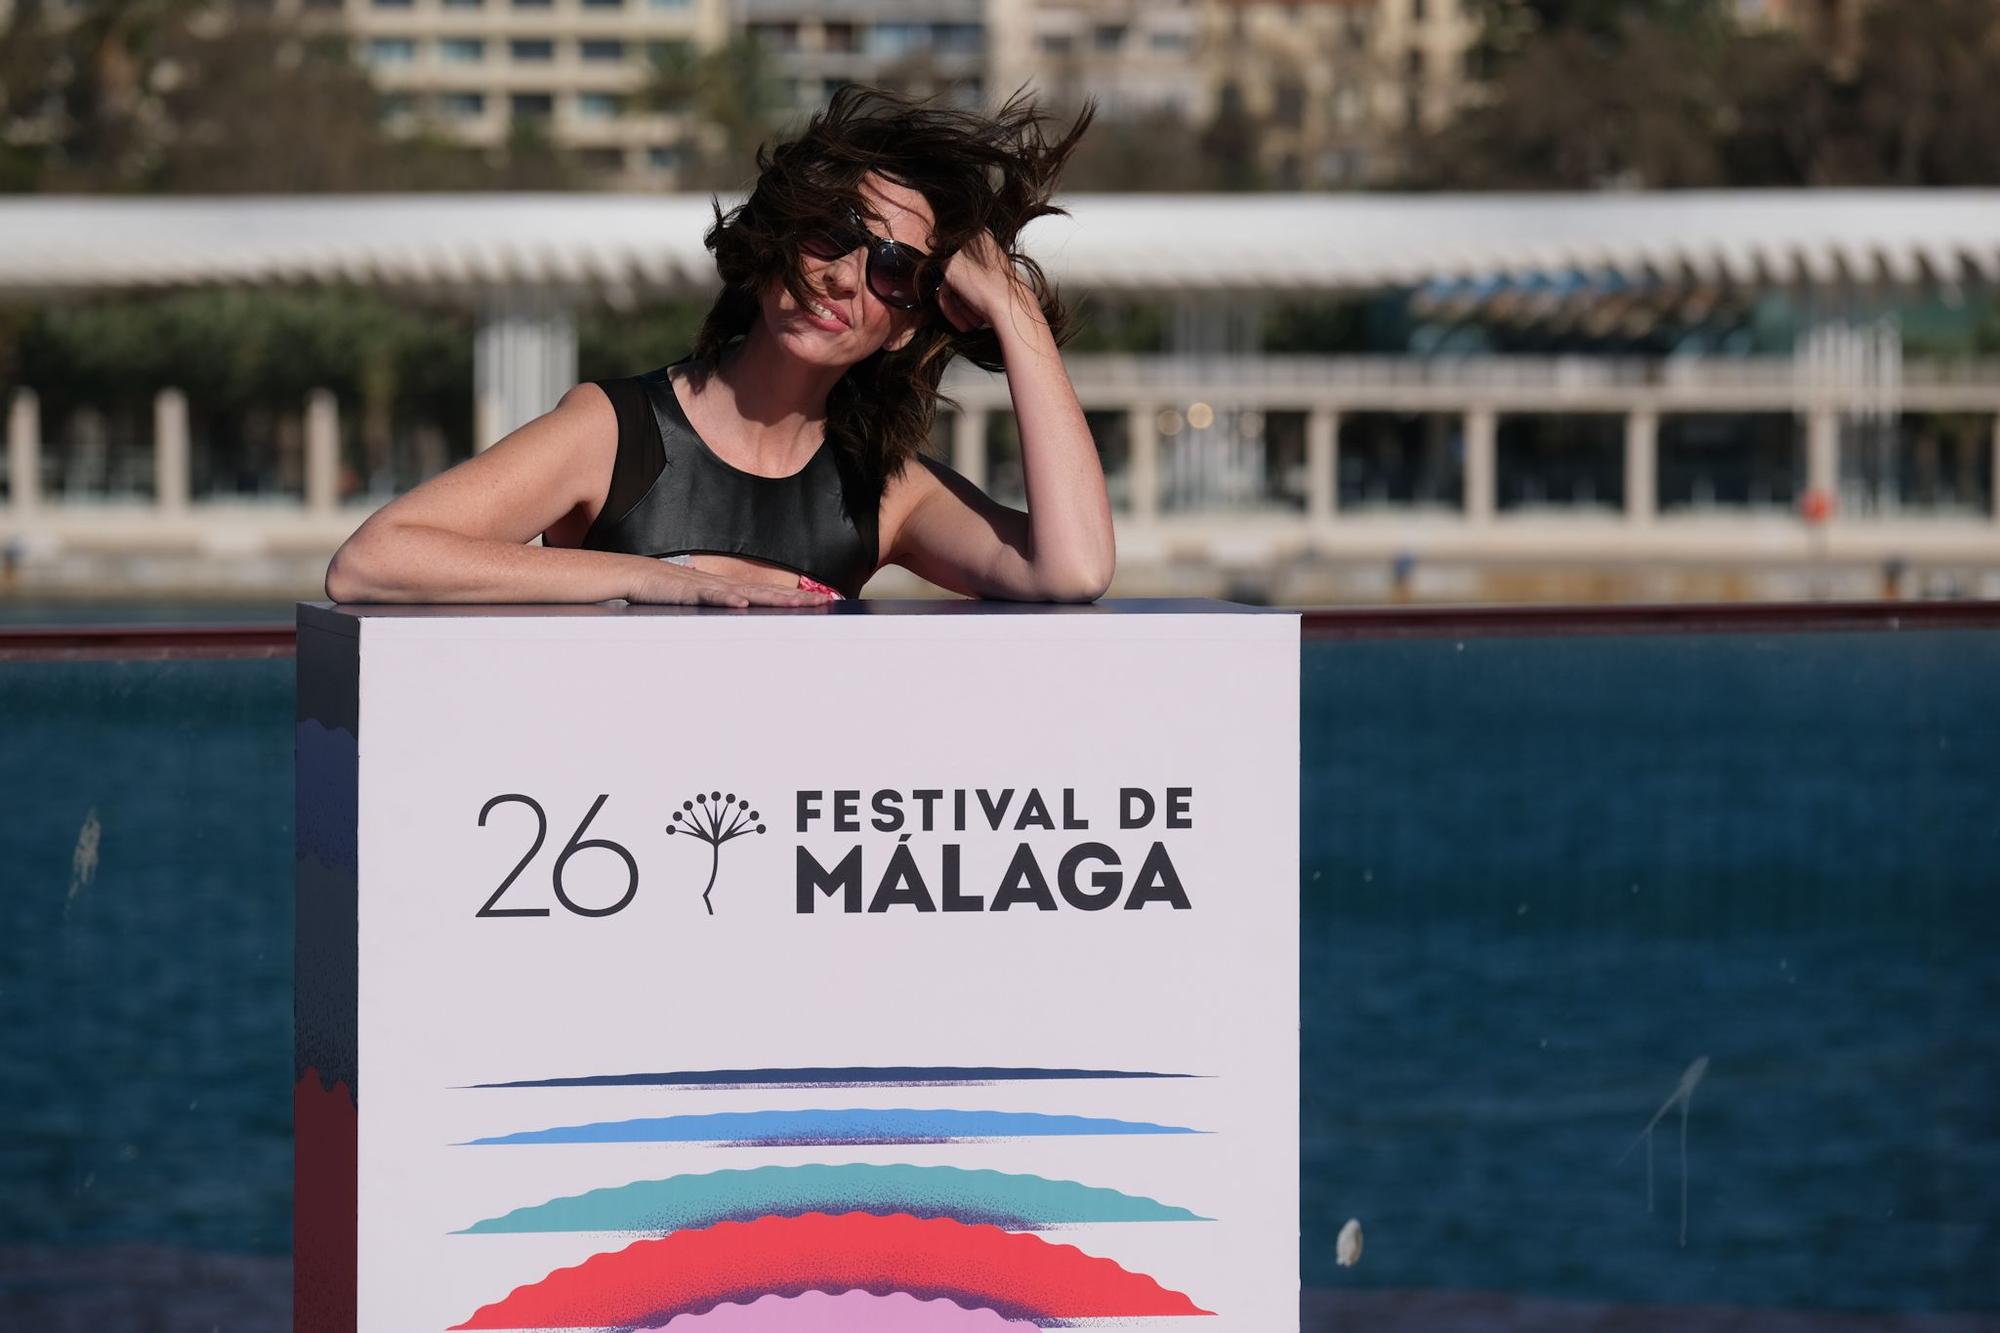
[{"x": 838, "y": 1076}]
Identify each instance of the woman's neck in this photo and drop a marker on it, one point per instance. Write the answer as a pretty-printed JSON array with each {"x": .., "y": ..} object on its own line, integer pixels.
[{"x": 779, "y": 400}]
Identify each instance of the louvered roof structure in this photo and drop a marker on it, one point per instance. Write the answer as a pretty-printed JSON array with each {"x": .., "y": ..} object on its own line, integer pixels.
[{"x": 621, "y": 245}]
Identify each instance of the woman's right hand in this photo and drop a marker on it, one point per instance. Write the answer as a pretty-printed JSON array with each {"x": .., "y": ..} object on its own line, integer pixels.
[{"x": 668, "y": 584}]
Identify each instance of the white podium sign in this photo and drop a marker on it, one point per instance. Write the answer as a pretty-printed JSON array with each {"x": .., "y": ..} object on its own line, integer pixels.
[{"x": 893, "y": 967}]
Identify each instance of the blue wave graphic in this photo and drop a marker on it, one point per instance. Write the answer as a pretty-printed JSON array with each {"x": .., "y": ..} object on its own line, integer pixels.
[{"x": 819, "y": 1127}]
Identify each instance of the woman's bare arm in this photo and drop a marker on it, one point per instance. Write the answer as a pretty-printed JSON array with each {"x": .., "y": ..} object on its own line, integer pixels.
[
  {"x": 462, "y": 536},
  {"x": 1062, "y": 547}
]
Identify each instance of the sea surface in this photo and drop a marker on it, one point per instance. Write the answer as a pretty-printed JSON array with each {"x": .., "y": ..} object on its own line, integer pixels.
[{"x": 1548, "y": 884}]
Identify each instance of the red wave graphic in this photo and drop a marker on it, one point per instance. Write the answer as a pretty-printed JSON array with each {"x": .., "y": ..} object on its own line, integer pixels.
[
  {"x": 324, "y": 1125},
  {"x": 650, "y": 1281}
]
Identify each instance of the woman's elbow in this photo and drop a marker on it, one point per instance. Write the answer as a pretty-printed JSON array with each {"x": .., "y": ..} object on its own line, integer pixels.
[
  {"x": 1078, "y": 585},
  {"x": 350, "y": 575}
]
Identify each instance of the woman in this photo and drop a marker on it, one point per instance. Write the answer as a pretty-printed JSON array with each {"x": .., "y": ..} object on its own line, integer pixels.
[{"x": 778, "y": 465}]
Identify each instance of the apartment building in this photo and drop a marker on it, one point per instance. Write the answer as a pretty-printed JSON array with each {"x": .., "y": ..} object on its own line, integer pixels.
[
  {"x": 1329, "y": 86},
  {"x": 574, "y": 69},
  {"x": 1335, "y": 85},
  {"x": 1133, "y": 56},
  {"x": 924, "y": 48}
]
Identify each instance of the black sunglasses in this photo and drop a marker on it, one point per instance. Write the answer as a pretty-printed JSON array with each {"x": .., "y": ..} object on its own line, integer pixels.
[{"x": 897, "y": 273}]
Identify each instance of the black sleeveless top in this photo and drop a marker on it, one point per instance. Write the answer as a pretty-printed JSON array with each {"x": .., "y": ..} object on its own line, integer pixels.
[{"x": 672, "y": 495}]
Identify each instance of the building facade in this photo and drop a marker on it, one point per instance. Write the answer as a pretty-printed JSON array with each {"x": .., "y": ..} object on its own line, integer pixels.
[
  {"x": 1323, "y": 90},
  {"x": 1133, "y": 56},
  {"x": 925, "y": 48},
  {"x": 1334, "y": 86},
  {"x": 484, "y": 71}
]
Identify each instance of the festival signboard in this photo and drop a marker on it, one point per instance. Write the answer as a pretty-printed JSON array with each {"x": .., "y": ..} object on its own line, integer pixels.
[{"x": 887, "y": 966}]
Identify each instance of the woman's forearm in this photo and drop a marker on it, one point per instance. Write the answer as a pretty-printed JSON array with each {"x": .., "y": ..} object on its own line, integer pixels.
[
  {"x": 413, "y": 563},
  {"x": 1071, "y": 547}
]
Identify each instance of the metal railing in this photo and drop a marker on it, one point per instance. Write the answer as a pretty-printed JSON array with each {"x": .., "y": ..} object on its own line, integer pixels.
[{"x": 267, "y": 641}]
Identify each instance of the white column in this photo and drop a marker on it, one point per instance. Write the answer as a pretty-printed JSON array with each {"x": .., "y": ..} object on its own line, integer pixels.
[
  {"x": 1142, "y": 432},
  {"x": 170, "y": 451},
  {"x": 322, "y": 451},
  {"x": 524, "y": 359},
  {"x": 968, "y": 444},
  {"x": 1481, "y": 428},
  {"x": 1642, "y": 465},
  {"x": 1823, "y": 451},
  {"x": 1994, "y": 476},
  {"x": 1322, "y": 464},
  {"x": 24, "y": 452}
]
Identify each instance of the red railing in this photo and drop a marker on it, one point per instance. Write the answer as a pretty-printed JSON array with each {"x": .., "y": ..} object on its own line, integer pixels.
[{"x": 138, "y": 643}]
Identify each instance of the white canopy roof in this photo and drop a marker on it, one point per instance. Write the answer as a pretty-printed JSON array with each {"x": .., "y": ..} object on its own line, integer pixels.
[{"x": 1139, "y": 243}]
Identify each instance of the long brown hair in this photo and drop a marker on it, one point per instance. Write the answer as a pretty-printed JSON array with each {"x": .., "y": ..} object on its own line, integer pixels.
[{"x": 978, "y": 172}]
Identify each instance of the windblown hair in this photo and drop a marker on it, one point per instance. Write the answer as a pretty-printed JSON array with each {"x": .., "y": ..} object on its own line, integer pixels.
[{"x": 978, "y": 172}]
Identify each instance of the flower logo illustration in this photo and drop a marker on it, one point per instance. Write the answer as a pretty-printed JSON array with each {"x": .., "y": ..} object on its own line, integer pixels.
[{"x": 715, "y": 818}]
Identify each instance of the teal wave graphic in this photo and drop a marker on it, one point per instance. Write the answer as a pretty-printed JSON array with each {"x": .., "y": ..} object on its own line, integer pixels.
[
  {"x": 685, "y": 1203},
  {"x": 818, "y": 1127}
]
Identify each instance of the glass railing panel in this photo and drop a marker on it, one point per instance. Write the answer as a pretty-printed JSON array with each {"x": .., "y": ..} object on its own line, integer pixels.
[
  {"x": 146, "y": 961},
  {"x": 1559, "y": 891},
  {"x": 1552, "y": 888}
]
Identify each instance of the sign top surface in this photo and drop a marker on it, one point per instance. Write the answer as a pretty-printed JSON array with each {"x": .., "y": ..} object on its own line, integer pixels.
[{"x": 347, "y": 618}]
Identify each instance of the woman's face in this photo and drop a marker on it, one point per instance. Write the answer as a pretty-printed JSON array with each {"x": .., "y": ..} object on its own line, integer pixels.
[{"x": 850, "y": 322}]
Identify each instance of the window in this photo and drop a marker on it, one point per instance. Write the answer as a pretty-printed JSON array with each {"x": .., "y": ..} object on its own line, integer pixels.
[
  {"x": 1414, "y": 62},
  {"x": 604, "y": 4},
  {"x": 602, "y": 159},
  {"x": 841, "y": 37},
  {"x": 462, "y": 106},
  {"x": 1289, "y": 105},
  {"x": 391, "y": 51},
  {"x": 664, "y": 157},
  {"x": 776, "y": 36},
  {"x": 532, "y": 4},
  {"x": 392, "y": 4},
  {"x": 669, "y": 4},
  {"x": 1056, "y": 43},
  {"x": 602, "y": 48},
  {"x": 1419, "y": 11},
  {"x": 896, "y": 39},
  {"x": 532, "y": 106},
  {"x": 968, "y": 38},
  {"x": 1170, "y": 41},
  {"x": 599, "y": 106},
  {"x": 1108, "y": 36},
  {"x": 461, "y": 50},
  {"x": 465, "y": 4},
  {"x": 532, "y": 48}
]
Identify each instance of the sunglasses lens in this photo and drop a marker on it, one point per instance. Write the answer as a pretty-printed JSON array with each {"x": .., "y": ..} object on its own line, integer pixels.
[
  {"x": 892, "y": 275},
  {"x": 828, "y": 243}
]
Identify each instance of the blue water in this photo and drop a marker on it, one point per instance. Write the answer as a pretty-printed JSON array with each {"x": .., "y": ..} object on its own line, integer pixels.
[{"x": 1541, "y": 878}]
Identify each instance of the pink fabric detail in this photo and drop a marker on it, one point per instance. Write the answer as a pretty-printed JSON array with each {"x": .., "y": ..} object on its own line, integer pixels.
[{"x": 811, "y": 584}]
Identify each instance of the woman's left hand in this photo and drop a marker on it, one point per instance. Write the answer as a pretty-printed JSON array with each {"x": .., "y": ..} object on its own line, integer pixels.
[{"x": 980, "y": 285}]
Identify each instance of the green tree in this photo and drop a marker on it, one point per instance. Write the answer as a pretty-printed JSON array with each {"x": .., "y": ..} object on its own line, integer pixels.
[
  {"x": 1584, "y": 94},
  {"x": 205, "y": 96},
  {"x": 733, "y": 93}
]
